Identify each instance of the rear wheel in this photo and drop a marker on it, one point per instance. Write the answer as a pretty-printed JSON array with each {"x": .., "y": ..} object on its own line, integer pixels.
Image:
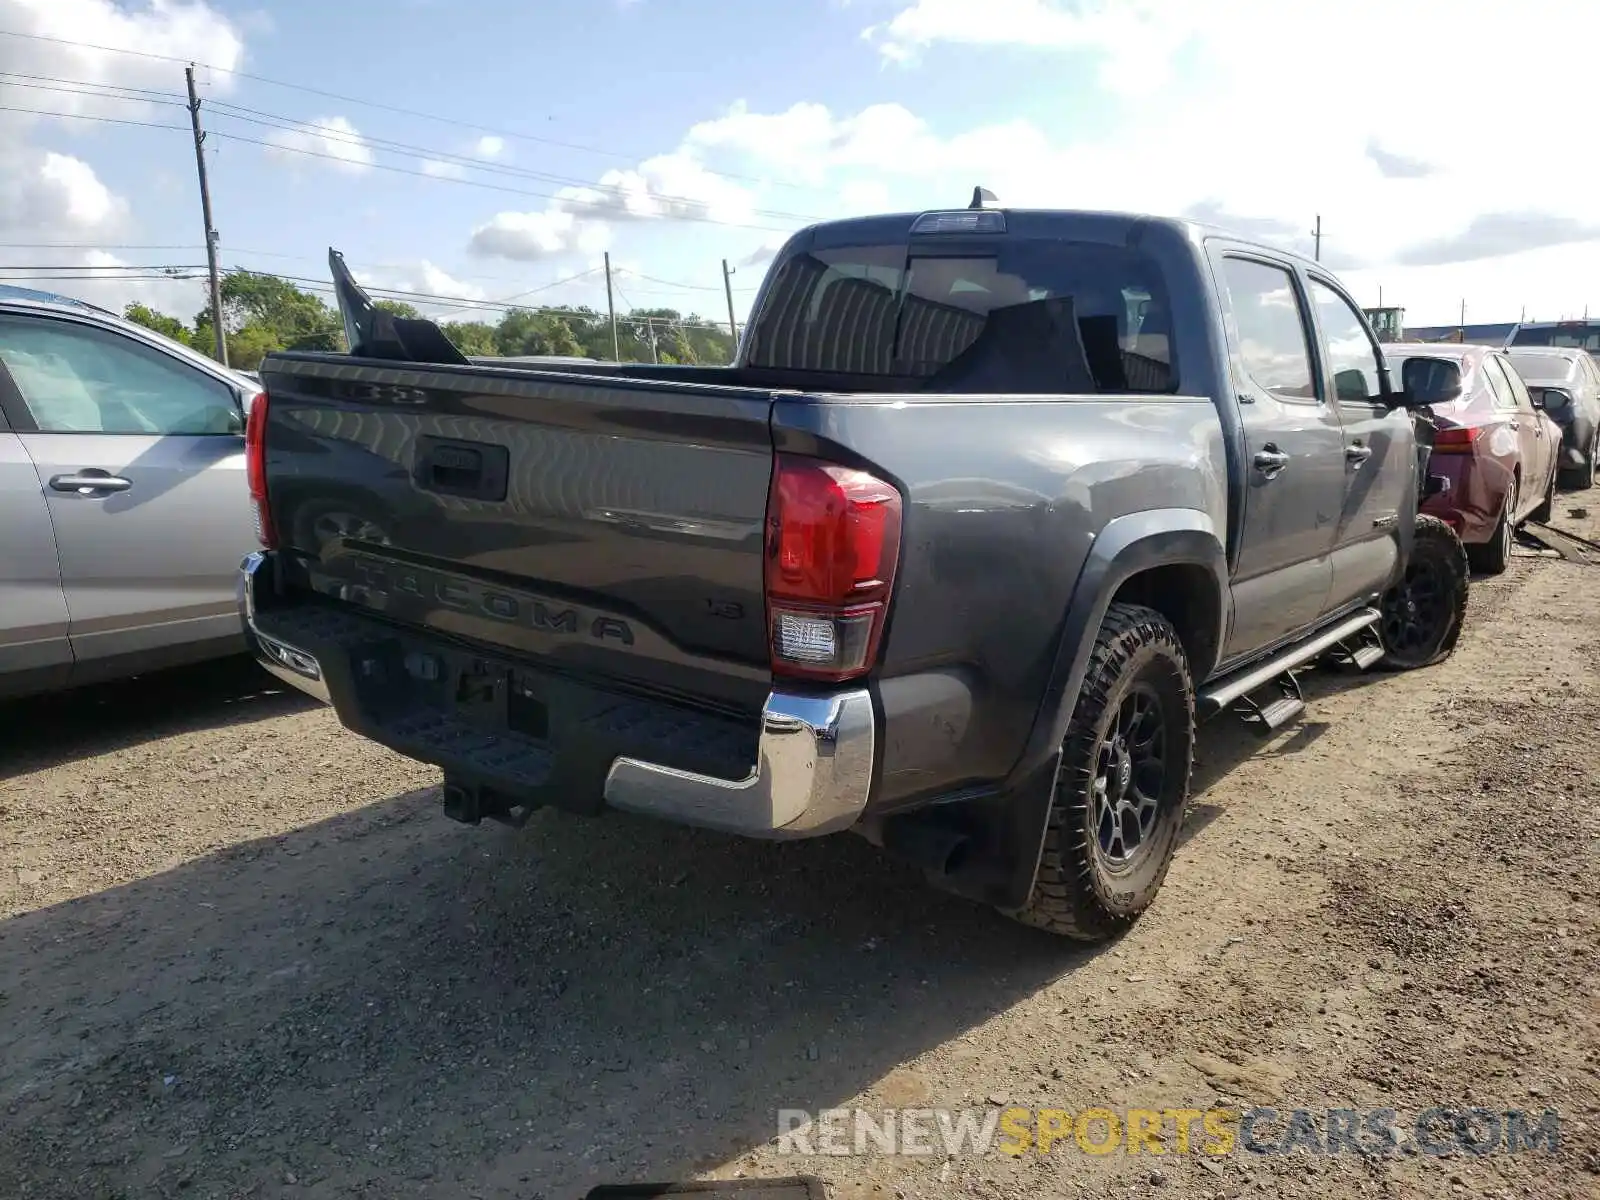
[
  {"x": 1547, "y": 505},
  {"x": 1493, "y": 556},
  {"x": 1423, "y": 613},
  {"x": 1123, "y": 781},
  {"x": 1581, "y": 478}
]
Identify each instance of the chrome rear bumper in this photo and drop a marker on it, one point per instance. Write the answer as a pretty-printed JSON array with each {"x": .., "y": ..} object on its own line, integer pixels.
[
  {"x": 812, "y": 774},
  {"x": 292, "y": 665},
  {"x": 811, "y": 777}
]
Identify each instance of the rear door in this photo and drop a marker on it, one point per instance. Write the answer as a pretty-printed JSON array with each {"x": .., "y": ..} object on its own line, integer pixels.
[
  {"x": 1378, "y": 457},
  {"x": 1519, "y": 419},
  {"x": 34, "y": 651},
  {"x": 141, "y": 456},
  {"x": 1533, "y": 437},
  {"x": 1295, "y": 469}
]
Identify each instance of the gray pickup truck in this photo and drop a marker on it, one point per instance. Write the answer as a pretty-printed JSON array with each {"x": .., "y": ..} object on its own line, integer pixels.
[{"x": 993, "y": 505}]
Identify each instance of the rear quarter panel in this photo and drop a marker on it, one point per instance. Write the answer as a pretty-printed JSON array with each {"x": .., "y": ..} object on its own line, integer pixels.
[{"x": 1005, "y": 498}]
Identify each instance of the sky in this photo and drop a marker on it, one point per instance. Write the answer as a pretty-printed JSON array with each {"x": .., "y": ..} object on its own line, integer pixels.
[{"x": 493, "y": 150}]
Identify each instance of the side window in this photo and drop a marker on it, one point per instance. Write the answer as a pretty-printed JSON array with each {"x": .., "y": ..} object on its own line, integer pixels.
[
  {"x": 1519, "y": 390},
  {"x": 1353, "y": 357},
  {"x": 80, "y": 379},
  {"x": 1505, "y": 400},
  {"x": 1274, "y": 344}
]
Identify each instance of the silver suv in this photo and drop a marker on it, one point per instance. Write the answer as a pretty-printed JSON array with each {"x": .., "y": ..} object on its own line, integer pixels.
[{"x": 123, "y": 505}]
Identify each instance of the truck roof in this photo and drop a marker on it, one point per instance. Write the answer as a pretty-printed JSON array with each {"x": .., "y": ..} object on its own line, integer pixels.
[{"x": 1104, "y": 224}]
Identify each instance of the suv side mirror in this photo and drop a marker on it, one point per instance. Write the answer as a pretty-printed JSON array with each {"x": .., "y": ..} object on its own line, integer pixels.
[
  {"x": 1429, "y": 381},
  {"x": 1536, "y": 397}
]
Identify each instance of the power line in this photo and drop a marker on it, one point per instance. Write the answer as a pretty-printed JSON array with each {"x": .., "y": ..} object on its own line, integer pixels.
[
  {"x": 545, "y": 287},
  {"x": 99, "y": 246},
  {"x": 278, "y": 121},
  {"x": 599, "y": 207},
  {"x": 44, "y": 112},
  {"x": 94, "y": 95},
  {"x": 121, "y": 87},
  {"x": 107, "y": 267},
  {"x": 374, "y": 104}
]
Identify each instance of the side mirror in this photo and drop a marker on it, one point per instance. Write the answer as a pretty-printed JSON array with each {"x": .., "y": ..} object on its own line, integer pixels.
[
  {"x": 1536, "y": 397},
  {"x": 1429, "y": 381}
]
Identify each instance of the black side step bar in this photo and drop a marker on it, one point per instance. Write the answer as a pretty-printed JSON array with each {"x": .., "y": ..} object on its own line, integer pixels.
[{"x": 1215, "y": 697}]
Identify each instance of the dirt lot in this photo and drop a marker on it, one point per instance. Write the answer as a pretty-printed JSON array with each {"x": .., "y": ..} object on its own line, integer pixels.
[{"x": 242, "y": 954}]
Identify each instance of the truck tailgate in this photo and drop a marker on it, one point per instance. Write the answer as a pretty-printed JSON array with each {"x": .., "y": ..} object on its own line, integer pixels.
[{"x": 607, "y": 528}]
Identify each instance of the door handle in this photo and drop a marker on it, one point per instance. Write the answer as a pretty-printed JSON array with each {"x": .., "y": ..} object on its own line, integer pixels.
[
  {"x": 89, "y": 482},
  {"x": 1514, "y": 424},
  {"x": 1355, "y": 454},
  {"x": 1269, "y": 460}
]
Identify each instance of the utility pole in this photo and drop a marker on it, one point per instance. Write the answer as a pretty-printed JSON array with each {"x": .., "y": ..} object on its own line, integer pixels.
[
  {"x": 1463, "y": 317},
  {"x": 611, "y": 309},
  {"x": 205, "y": 209},
  {"x": 1317, "y": 236},
  {"x": 727, "y": 286},
  {"x": 1380, "y": 295},
  {"x": 650, "y": 332}
]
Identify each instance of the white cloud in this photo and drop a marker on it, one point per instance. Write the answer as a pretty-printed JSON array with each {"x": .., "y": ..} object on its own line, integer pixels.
[
  {"x": 438, "y": 282},
  {"x": 861, "y": 196},
  {"x": 1134, "y": 38},
  {"x": 668, "y": 186},
  {"x": 333, "y": 140},
  {"x": 52, "y": 194},
  {"x": 764, "y": 253},
  {"x": 531, "y": 236},
  {"x": 490, "y": 146},
  {"x": 178, "y": 31},
  {"x": 1182, "y": 117},
  {"x": 435, "y": 169}
]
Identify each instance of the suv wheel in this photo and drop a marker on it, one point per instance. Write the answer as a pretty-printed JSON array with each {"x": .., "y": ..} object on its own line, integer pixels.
[
  {"x": 1423, "y": 613},
  {"x": 1123, "y": 782}
]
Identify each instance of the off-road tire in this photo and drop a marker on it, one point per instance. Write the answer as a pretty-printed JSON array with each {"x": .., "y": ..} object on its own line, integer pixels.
[
  {"x": 1493, "y": 556},
  {"x": 1439, "y": 562},
  {"x": 1074, "y": 893}
]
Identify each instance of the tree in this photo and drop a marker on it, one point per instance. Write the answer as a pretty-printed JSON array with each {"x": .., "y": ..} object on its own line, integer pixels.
[
  {"x": 527, "y": 331},
  {"x": 295, "y": 319},
  {"x": 141, "y": 314},
  {"x": 248, "y": 346},
  {"x": 399, "y": 308},
  {"x": 472, "y": 338}
]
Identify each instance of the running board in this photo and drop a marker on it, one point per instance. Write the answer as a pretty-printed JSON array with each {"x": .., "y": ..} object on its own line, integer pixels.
[
  {"x": 1218, "y": 696},
  {"x": 1283, "y": 704},
  {"x": 1359, "y": 652}
]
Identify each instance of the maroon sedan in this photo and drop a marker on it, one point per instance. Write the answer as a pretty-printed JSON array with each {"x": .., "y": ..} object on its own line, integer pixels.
[{"x": 1498, "y": 452}]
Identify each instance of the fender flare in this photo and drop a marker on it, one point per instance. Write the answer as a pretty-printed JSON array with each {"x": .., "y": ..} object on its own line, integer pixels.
[{"x": 1127, "y": 546}]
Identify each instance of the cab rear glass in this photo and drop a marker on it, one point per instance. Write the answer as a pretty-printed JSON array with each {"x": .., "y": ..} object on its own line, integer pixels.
[{"x": 1031, "y": 316}]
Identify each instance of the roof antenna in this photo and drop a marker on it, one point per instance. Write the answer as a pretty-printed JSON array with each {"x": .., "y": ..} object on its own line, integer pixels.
[{"x": 983, "y": 198}]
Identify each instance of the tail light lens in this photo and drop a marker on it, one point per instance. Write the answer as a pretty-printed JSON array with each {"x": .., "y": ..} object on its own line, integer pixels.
[
  {"x": 255, "y": 469},
  {"x": 833, "y": 541},
  {"x": 1456, "y": 439}
]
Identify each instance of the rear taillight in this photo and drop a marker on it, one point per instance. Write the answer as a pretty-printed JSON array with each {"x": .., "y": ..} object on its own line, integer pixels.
[
  {"x": 1456, "y": 439},
  {"x": 255, "y": 469},
  {"x": 833, "y": 539}
]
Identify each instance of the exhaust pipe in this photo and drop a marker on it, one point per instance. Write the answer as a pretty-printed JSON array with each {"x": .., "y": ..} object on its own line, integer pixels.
[{"x": 936, "y": 848}]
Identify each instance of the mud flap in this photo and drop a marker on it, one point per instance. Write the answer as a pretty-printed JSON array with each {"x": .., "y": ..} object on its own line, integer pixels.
[{"x": 1005, "y": 838}]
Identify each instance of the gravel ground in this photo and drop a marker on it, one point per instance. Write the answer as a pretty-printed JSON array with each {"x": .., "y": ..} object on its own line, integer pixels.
[{"x": 242, "y": 954}]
